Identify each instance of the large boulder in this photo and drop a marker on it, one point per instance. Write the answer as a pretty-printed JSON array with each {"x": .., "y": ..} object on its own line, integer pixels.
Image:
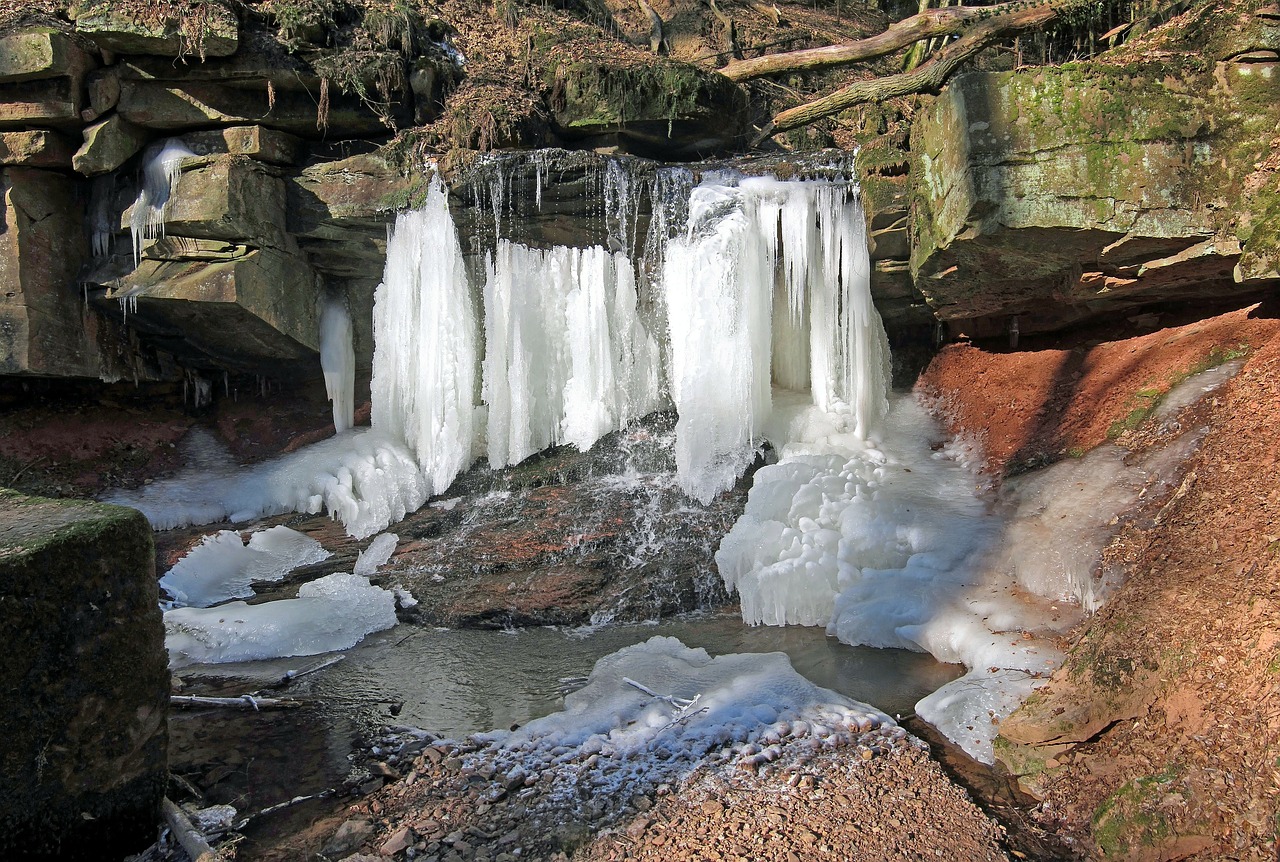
[
  {"x": 44, "y": 329},
  {"x": 36, "y": 148},
  {"x": 1060, "y": 194},
  {"x": 253, "y": 312},
  {"x": 656, "y": 106},
  {"x": 83, "y": 766}
]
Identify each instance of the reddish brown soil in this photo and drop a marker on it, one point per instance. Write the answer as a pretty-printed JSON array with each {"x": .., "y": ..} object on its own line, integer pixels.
[
  {"x": 1193, "y": 769},
  {"x": 1028, "y": 407}
]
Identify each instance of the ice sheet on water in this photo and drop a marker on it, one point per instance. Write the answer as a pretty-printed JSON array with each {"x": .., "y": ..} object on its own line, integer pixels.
[
  {"x": 224, "y": 567},
  {"x": 333, "y": 613},
  {"x": 652, "y": 710}
]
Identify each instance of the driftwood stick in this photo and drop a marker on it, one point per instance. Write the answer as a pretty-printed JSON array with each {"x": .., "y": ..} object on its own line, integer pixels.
[
  {"x": 292, "y": 675},
  {"x": 247, "y": 701},
  {"x": 188, "y": 835}
]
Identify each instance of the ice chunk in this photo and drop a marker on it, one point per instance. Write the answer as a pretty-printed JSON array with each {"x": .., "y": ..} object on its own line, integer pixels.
[
  {"x": 376, "y": 554},
  {"x": 332, "y": 613},
  {"x": 655, "y": 708},
  {"x": 223, "y": 567}
]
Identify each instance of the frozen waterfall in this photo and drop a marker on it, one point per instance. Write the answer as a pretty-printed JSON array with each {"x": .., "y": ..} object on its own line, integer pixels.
[{"x": 738, "y": 286}]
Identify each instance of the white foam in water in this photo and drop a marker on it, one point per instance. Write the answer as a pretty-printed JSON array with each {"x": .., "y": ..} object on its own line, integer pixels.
[
  {"x": 627, "y": 715},
  {"x": 338, "y": 362},
  {"x": 376, "y": 554},
  {"x": 224, "y": 567},
  {"x": 333, "y": 613}
]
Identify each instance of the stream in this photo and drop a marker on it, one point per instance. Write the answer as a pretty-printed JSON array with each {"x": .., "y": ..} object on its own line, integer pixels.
[{"x": 454, "y": 682}]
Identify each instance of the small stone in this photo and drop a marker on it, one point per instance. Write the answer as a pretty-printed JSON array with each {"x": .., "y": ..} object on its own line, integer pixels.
[
  {"x": 1052, "y": 763},
  {"x": 399, "y": 840},
  {"x": 348, "y": 838},
  {"x": 637, "y": 827}
]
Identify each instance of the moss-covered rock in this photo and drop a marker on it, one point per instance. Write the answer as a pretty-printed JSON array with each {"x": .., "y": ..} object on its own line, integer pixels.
[
  {"x": 662, "y": 107},
  {"x": 85, "y": 679},
  {"x": 203, "y": 28},
  {"x": 1058, "y": 194}
]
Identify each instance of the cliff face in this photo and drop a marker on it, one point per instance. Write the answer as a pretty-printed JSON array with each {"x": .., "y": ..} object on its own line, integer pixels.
[
  {"x": 1029, "y": 200},
  {"x": 1139, "y": 179}
]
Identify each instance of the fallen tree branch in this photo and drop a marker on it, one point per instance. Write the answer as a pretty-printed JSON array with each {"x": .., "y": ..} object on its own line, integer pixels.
[
  {"x": 189, "y": 837},
  {"x": 933, "y": 22},
  {"x": 926, "y": 77}
]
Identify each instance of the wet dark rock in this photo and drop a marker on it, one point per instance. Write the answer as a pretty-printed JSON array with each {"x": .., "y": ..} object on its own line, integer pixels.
[
  {"x": 85, "y": 672},
  {"x": 566, "y": 538}
]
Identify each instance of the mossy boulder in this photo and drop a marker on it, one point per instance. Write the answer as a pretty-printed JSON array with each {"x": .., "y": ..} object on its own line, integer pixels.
[
  {"x": 661, "y": 107},
  {"x": 1061, "y": 194},
  {"x": 85, "y": 678},
  {"x": 199, "y": 28}
]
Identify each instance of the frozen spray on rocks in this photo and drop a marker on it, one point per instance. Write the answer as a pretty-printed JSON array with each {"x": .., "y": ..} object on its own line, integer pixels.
[{"x": 747, "y": 307}]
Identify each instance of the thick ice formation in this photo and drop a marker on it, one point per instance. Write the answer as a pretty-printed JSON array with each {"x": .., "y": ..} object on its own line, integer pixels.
[
  {"x": 224, "y": 567},
  {"x": 162, "y": 165},
  {"x": 770, "y": 280},
  {"x": 573, "y": 346},
  {"x": 650, "y": 711},
  {"x": 567, "y": 358},
  {"x": 338, "y": 362},
  {"x": 333, "y": 613},
  {"x": 425, "y": 343}
]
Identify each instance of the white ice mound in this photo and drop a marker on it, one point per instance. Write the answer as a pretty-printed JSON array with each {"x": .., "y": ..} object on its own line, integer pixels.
[
  {"x": 886, "y": 543},
  {"x": 223, "y": 567},
  {"x": 363, "y": 477},
  {"x": 333, "y": 613},
  {"x": 654, "y": 709}
]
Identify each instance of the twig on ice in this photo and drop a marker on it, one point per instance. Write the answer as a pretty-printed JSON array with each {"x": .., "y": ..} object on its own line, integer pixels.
[{"x": 679, "y": 704}]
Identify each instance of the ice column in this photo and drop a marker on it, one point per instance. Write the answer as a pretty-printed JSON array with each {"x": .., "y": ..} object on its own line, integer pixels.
[
  {"x": 425, "y": 351},
  {"x": 567, "y": 358},
  {"x": 770, "y": 282},
  {"x": 338, "y": 362}
]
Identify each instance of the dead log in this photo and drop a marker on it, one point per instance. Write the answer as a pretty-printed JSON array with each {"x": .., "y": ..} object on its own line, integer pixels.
[
  {"x": 243, "y": 702},
  {"x": 188, "y": 836},
  {"x": 933, "y": 22}
]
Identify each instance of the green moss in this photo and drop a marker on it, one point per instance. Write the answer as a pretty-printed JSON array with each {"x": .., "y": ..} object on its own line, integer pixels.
[
  {"x": 588, "y": 94},
  {"x": 1130, "y": 818}
]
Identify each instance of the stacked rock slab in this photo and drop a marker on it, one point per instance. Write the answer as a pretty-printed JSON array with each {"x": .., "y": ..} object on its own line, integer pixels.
[
  {"x": 1065, "y": 194},
  {"x": 83, "y": 766}
]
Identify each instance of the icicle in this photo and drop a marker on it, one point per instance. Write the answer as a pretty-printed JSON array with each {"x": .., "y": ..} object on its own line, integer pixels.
[
  {"x": 338, "y": 362},
  {"x": 161, "y": 168}
]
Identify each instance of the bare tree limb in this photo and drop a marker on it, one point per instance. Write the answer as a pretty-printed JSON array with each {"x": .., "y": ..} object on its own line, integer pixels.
[
  {"x": 933, "y": 22},
  {"x": 926, "y": 77},
  {"x": 656, "y": 37},
  {"x": 187, "y": 834}
]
